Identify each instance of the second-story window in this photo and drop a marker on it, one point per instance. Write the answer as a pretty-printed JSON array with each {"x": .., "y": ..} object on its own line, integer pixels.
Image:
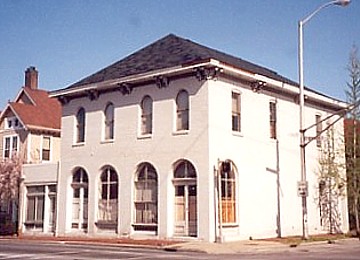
[
  {"x": 272, "y": 108},
  {"x": 182, "y": 110},
  {"x": 80, "y": 126},
  {"x": 146, "y": 115},
  {"x": 10, "y": 144},
  {"x": 318, "y": 130},
  {"x": 109, "y": 121},
  {"x": 45, "y": 153},
  {"x": 236, "y": 112}
]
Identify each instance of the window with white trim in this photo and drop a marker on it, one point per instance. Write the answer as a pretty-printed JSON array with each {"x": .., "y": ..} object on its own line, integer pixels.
[
  {"x": 108, "y": 201},
  {"x": 109, "y": 122},
  {"x": 10, "y": 146},
  {"x": 146, "y": 198},
  {"x": 228, "y": 194},
  {"x": 35, "y": 205},
  {"x": 80, "y": 126},
  {"x": 46, "y": 148},
  {"x": 182, "y": 110},
  {"x": 12, "y": 123},
  {"x": 236, "y": 111},
  {"x": 146, "y": 115}
]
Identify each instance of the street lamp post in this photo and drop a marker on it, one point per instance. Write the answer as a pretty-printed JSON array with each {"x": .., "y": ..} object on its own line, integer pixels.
[{"x": 303, "y": 183}]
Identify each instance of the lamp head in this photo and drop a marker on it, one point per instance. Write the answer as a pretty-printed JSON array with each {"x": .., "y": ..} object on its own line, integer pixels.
[{"x": 342, "y": 2}]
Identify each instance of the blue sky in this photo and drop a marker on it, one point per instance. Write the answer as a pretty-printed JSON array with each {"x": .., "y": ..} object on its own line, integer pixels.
[{"x": 70, "y": 39}]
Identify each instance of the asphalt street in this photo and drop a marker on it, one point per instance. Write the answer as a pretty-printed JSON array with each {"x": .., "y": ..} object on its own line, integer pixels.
[{"x": 20, "y": 249}]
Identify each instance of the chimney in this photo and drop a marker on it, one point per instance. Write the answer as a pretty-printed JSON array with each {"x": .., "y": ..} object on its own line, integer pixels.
[{"x": 31, "y": 78}]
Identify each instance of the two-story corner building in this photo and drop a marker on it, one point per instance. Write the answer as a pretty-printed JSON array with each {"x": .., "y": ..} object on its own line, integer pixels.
[
  {"x": 30, "y": 130},
  {"x": 181, "y": 140}
]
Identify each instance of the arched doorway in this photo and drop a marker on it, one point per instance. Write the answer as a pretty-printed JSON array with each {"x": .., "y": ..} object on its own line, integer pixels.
[
  {"x": 185, "y": 199},
  {"x": 80, "y": 200}
]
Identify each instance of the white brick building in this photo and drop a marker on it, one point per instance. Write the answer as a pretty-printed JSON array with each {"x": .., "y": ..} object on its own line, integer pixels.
[{"x": 143, "y": 139}]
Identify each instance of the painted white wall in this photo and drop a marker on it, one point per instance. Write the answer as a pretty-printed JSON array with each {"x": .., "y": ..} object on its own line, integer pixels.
[{"x": 209, "y": 139}]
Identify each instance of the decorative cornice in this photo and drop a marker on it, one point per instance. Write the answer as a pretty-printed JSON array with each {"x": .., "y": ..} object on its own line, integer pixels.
[
  {"x": 257, "y": 86},
  {"x": 93, "y": 94},
  {"x": 125, "y": 88},
  {"x": 162, "y": 81},
  {"x": 203, "y": 73}
]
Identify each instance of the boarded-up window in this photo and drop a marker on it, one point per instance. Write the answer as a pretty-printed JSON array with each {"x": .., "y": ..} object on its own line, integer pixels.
[
  {"x": 228, "y": 196},
  {"x": 109, "y": 195},
  {"x": 146, "y": 195}
]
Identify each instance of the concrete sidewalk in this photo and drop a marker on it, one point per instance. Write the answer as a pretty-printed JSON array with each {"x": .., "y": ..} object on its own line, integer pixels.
[
  {"x": 228, "y": 247},
  {"x": 248, "y": 246}
]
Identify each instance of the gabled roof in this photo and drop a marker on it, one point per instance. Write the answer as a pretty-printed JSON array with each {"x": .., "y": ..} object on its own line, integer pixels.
[
  {"x": 42, "y": 112},
  {"x": 167, "y": 52}
]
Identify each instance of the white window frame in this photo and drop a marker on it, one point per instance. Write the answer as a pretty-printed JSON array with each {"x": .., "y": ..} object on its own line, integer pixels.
[
  {"x": 42, "y": 148},
  {"x": 109, "y": 125},
  {"x": 12, "y": 120},
  {"x": 146, "y": 191},
  {"x": 77, "y": 128},
  {"x": 146, "y": 120},
  {"x": 108, "y": 206},
  {"x": 180, "y": 113},
  {"x": 238, "y": 112},
  {"x": 36, "y": 194},
  {"x": 11, "y": 148}
]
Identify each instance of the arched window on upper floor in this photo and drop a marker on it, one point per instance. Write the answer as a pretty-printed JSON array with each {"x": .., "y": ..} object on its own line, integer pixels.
[
  {"x": 146, "y": 115},
  {"x": 182, "y": 110},
  {"x": 80, "y": 126},
  {"x": 109, "y": 122}
]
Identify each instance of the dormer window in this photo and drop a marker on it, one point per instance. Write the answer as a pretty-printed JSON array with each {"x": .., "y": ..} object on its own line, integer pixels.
[{"x": 12, "y": 123}]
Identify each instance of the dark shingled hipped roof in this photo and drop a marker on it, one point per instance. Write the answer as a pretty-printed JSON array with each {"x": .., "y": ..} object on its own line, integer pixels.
[{"x": 171, "y": 51}]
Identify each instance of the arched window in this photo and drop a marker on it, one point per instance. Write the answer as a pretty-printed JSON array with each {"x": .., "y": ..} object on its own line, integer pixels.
[
  {"x": 228, "y": 196},
  {"x": 109, "y": 121},
  {"x": 146, "y": 115},
  {"x": 108, "y": 195},
  {"x": 184, "y": 170},
  {"x": 80, "y": 126},
  {"x": 182, "y": 110},
  {"x": 146, "y": 198},
  {"x": 80, "y": 199}
]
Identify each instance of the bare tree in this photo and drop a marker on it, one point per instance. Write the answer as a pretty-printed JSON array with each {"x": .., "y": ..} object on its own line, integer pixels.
[
  {"x": 352, "y": 139},
  {"x": 10, "y": 173},
  {"x": 331, "y": 180}
]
